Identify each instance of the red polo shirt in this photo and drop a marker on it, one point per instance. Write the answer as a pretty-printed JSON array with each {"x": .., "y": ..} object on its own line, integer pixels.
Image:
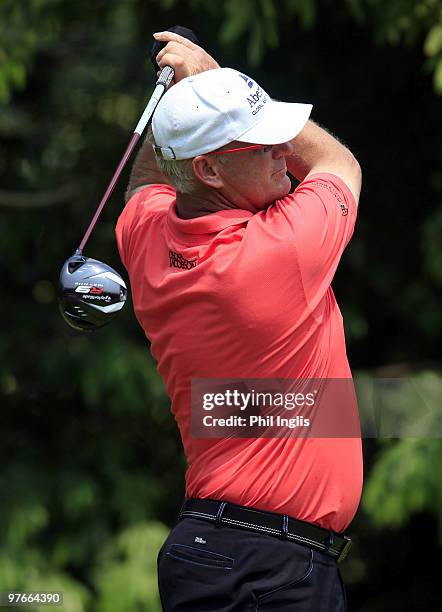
[{"x": 239, "y": 295}]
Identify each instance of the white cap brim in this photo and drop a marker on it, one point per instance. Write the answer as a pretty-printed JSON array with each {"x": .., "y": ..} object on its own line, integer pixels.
[{"x": 281, "y": 122}]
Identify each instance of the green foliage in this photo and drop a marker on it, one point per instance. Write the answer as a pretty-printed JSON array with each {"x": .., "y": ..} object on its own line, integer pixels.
[
  {"x": 257, "y": 19},
  {"x": 404, "y": 406},
  {"x": 405, "y": 480},
  {"x": 406, "y": 21},
  {"x": 122, "y": 577},
  {"x": 432, "y": 231},
  {"x": 126, "y": 571},
  {"x": 398, "y": 20},
  {"x": 92, "y": 466},
  {"x": 34, "y": 25},
  {"x": 26, "y": 28},
  {"x": 433, "y": 49},
  {"x": 27, "y": 570}
]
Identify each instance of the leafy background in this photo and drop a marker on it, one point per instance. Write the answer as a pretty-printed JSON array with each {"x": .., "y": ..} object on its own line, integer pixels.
[{"x": 91, "y": 465}]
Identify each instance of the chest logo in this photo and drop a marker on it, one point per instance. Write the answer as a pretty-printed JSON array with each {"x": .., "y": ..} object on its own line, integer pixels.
[{"x": 176, "y": 260}]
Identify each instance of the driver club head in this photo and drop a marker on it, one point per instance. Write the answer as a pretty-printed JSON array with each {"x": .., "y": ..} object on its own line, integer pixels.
[{"x": 91, "y": 293}]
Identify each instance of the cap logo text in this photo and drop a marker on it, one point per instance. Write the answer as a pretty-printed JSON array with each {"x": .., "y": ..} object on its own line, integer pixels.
[{"x": 255, "y": 97}]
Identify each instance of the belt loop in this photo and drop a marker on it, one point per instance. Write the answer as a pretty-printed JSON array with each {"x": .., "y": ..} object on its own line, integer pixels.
[
  {"x": 180, "y": 514},
  {"x": 329, "y": 541},
  {"x": 284, "y": 527},
  {"x": 219, "y": 514},
  {"x": 345, "y": 549}
]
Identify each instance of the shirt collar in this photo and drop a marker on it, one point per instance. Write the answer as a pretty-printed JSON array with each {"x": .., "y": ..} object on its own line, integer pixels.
[{"x": 207, "y": 224}]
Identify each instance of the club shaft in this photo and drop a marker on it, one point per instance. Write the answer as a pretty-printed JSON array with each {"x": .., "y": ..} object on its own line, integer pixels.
[
  {"x": 130, "y": 147},
  {"x": 165, "y": 78}
]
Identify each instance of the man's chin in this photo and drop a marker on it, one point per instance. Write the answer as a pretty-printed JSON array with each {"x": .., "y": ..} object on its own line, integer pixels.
[
  {"x": 286, "y": 187},
  {"x": 280, "y": 192}
]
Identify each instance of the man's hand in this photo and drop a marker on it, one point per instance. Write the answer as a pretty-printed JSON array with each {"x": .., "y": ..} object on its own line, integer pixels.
[{"x": 184, "y": 56}]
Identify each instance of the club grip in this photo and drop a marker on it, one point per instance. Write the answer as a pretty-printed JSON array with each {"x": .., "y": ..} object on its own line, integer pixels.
[{"x": 158, "y": 45}]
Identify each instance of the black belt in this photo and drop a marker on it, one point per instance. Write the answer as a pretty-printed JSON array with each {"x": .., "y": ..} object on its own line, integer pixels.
[{"x": 222, "y": 513}]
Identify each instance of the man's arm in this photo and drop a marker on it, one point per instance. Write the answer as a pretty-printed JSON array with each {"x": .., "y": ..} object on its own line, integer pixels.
[
  {"x": 315, "y": 150},
  {"x": 186, "y": 58},
  {"x": 145, "y": 170}
]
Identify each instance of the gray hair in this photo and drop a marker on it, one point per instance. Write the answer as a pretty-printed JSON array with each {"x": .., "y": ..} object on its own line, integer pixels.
[{"x": 178, "y": 171}]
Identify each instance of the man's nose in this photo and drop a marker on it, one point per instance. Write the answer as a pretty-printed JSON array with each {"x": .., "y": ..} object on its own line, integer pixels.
[{"x": 282, "y": 150}]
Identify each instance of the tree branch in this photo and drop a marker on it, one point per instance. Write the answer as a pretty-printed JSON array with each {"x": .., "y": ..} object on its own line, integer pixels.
[{"x": 38, "y": 199}]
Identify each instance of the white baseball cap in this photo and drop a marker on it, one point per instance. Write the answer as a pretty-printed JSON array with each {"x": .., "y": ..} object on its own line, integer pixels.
[{"x": 204, "y": 112}]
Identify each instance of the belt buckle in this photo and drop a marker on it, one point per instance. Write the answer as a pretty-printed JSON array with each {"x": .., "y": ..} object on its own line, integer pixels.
[{"x": 344, "y": 552}]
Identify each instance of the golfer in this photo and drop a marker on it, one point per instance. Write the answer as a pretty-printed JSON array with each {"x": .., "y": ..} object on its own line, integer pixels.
[{"x": 230, "y": 276}]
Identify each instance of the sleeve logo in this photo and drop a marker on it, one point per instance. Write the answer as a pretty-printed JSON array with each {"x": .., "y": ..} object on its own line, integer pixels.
[{"x": 342, "y": 205}]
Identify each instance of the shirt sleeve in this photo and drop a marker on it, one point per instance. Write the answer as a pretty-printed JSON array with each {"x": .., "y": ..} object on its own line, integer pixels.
[
  {"x": 137, "y": 214},
  {"x": 322, "y": 214}
]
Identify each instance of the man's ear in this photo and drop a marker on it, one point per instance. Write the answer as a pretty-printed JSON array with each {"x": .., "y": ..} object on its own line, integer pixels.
[{"x": 206, "y": 170}]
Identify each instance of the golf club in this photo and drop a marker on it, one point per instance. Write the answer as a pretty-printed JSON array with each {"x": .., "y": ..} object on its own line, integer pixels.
[{"x": 91, "y": 292}]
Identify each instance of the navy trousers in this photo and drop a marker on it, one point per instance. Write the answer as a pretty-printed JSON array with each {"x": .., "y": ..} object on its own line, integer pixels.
[{"x": 205, "y": 568}]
